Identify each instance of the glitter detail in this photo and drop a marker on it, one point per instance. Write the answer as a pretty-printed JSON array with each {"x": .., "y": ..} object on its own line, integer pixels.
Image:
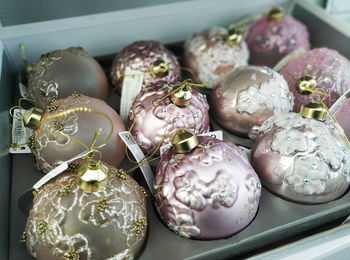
[
  {"x": 58, "y": 126},
  {"x": 121, "y": 174},
  {"x": 31, "y": 143},
  {"x": 140, "y": 226},
  {"x": 35, "y": 191},
  {"x": 42, "y": 226},
  {"x": 42, "y": 93},
  {"x": 52, "y": 108},
  {"x": 66, "y": 189},
  {"x": 143, "y": 190},
  {"x": 73, "y": 166},
  {"x": 75, "y": 94},
  {"x": 23, "y": 238},
  {"x": 71, "y": 254},
  {"x": 102, "y": 204}
]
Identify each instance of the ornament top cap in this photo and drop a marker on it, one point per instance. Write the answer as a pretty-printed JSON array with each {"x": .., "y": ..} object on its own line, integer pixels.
[
  {"x": 92, "y": 175},
  {"x": 184, "y": 141},
  {"x": 305, "y": 84},
  {"x": 32, "y": 117},
  {"x": 160, "y": 68},
  {"x": 234, "y": 37},
  {"x": 313, "y": 110},
  {"x": 275, "y": 14},
  {"x": 182, "y": 96}
]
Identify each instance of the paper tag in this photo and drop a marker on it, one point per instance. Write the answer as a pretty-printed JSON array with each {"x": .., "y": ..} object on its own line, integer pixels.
[
  {"x": 132, "y": 85},
  {"x": 23, "y": 90},
  {"x": 18, "y": 135},
  {"x": 138, "y": 154},
  {"x": 215, "y": 134}
]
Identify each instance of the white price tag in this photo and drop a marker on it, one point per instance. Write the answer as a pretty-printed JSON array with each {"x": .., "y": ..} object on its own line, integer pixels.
[
  {"x": 18, "y": 134},
  {"x": 23, "y": 90},
  {"x": 132, "y": 85},
  {"x": 138, "y": 154},
  {"x": 215, "y": 134}
]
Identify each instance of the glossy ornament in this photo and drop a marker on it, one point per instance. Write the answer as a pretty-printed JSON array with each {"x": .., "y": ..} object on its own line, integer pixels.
[
  {"x": 50, "y": 151},
  {"x": 68, "y": 222},
  {"x": 166, "y": 116},
  {"x": 60, "y": 73},
  {"x": 301, "y": 159},
  {"x": 274, "y": 36},
  {"x": 322, "y": 68},
  {"x": 150, "y": 57},
  {"x": 213, "y": 53},
  {"x": 210, "y": 192},
  {"x": 247, "y": 97}
]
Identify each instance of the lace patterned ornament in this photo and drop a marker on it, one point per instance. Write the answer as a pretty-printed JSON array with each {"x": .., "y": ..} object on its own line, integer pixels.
[
  {"x": 301, "y": 159},
  {"x": 211, "y": 58},
  {"x": 209, "y": 193},
  {"x": 248, "y": 96},
  {"x": 149, "y": 128},
  {"x": 140, "y": 56},
  {"x": 67, "y": 222},
  {"x": 60, "y": 73}
]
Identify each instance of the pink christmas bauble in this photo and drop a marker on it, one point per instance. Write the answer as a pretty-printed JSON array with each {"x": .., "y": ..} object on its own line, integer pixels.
[
  {"x": 247, "y": 97},
  {"x": 165, "y": 117},
  {"x": 270, "y": 40},
  {"x": 301, "y": 159},
  {"x": 61, "y": 72},
  {"x": 211, "y": 58},
  {"x": 329, "y": 70},
  {"x": 210, "y": 192},
  {"x": 141, "y": 56},
  {"x": 50, "y": 151}
]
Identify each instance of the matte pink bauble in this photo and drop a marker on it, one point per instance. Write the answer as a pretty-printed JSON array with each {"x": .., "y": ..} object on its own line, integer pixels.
[
  {"x": 50, "y": 151},
  {"x": 165, "y": 117},
  {"x": 247, "y": 97},
  {"x": 210, "y": 192},
  {"x": 211, "y": 57},
  {"x": 301, "y": 159},
  {"x": 67, "y": 222},
  {"x": 322, "y": 68},
  {"x": 141, "y": 56},
  {"x": 269, "y": 40},
  {"x": 60, "y": 73}
]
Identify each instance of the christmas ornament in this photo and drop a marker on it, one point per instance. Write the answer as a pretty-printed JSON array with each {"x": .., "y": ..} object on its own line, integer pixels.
[
  {"x": 60, "y": 73},
  {"x": 97, "y": 212},
  {"x": 159, "y": 111},
  {"x": 151, "y": 58},
  {"x": 205, "y": 188},
  {"x": 50, "y": 150},
  {"x": 247, "y": 97},
  {"x": 300, "y": 158},
  {"x": 275, "y": 35},
  {"x": 321, "y": 69},
  {"x": 341, "y": 111},
  {"x": 213, "y": 53}
]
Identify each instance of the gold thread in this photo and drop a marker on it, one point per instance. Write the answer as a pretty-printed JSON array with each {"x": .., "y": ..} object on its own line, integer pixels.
[
  {"x": 23, "y": 238},
  {"x": 42, "y": 226}
]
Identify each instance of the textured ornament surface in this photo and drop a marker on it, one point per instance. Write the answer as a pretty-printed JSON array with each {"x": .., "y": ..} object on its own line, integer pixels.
[
  {"x": 60, "y": 73},
  {"x": 50, "y": 151},
  {"x": 165, "y": 117},
  {"x": 330, "y": 70},
  {"x": 248, "y": 96},
  {"x": 140, "y": 56},
  {"x": 211, "y": 58},
  {"x": 342, "y": 115},
  {"x": 301, "y": 159},
  {"x": 209, "y": 193},
  {"x": 269, "y": 41},
  {"x": 67, "y": 222}
]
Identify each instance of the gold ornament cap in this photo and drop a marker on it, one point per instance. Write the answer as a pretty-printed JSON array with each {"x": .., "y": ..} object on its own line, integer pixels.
[
  {"x": 32, "y": 117},
  {"x": 184, "y": 141},
  {"x": 182, "y": 96},
  {"x": 275, "y": 14},
  {"x": 313, "y": 110},
  {"x": 92, "y": 175},
  {"x": 160, "y": 68},
  {"x": 306, "y": 84},
  {"x": 234, "y": 37}
]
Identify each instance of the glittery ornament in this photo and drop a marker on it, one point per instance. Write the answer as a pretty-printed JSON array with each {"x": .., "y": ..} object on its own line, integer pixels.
[
  {"x": 60, "y": 73},
  {"x": 301, "y": 159},
  {"x": 67, "y": 222},
  {"x": 145, "y": 56},
  {"x": 341, "y": 111},
  {"x": 271, "y": 38},
  {"x": 320, "y": 68},
  {"x": 165, "y": 117},
  {"x": 210, "y": 192},
  {"x": 50, "y": 151},
  {"x": 247, "y": 97},
  {"x": 211, "y": 55}
]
